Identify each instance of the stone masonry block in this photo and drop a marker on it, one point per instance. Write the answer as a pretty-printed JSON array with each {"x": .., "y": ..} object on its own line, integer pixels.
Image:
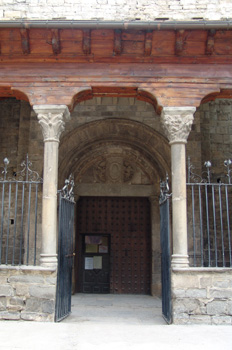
[
  {"x": 2, "y": 303},
  {"x": 184, "y": 281},
  {"x": 22, "y": 289},
  {"x": 48, "y": 306},
  {"x": 17, "y": 301},
  {"x": 33, "y": 305},
  {"x": 178, "y": 293},
  {"x": 5, "y": 315},
  {"x": 216, "y": 307},
  {"x": 43, "y": 292},
  {"x": 6, "y": 290},
  {"x": 196, "y": 293},
  {"x": 200, "y": 319},
  {"x": 30, "y": 279},
  {"x": 222, "y": 320},
  {"x": 188, "y": 306},
  {"x": 229, "y": 307},
  {"x": 220, "y": 293}
]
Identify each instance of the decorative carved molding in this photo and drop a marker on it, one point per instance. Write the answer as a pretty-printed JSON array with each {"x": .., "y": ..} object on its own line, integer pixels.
[
  {"x": 100, "y": 171},
  {"x": 51, "y": 120},
  {"x": 177, "y": 123}
]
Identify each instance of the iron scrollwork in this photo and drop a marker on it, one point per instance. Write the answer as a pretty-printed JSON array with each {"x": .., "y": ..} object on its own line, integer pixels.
[
  {"x": 26, "y": 174},
  {"x": 164, "y": 190},
  {"x": 67, "y": 191}
]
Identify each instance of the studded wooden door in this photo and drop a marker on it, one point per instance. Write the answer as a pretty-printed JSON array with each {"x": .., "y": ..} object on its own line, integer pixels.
[{"x": 127, "y": 221}]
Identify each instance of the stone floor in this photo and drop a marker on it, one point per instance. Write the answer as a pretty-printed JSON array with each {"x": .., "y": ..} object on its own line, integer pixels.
[
  {"x": 112, "y": 322},
  {"x": 123, "y": 309}
]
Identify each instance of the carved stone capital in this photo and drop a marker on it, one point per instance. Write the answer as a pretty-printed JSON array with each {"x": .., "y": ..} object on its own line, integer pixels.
[
  {"x": 52, "y": 120},
  {"x": 177, "y": 123}
]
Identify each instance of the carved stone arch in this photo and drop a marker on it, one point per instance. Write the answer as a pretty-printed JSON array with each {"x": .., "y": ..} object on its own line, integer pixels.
[{"x": 135, "y": 147}]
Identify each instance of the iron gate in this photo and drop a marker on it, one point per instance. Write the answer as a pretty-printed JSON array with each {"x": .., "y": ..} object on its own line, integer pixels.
[
  {"x": 165, "y": 252},
  {"x": 65, "y": 251}
]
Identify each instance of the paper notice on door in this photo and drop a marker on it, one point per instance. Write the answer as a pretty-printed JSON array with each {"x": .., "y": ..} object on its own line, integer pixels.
[
  {"x": 97, "y": 262},
  {"x": 88, "y": 263}
]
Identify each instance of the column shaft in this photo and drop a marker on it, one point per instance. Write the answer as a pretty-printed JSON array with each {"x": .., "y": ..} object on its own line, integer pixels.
[
  {"x": 179, "y": 209},
  {"x": 49, "y": 210},
  {"x": 177, "y": 122},
  {"x": 51, "y": 120}
]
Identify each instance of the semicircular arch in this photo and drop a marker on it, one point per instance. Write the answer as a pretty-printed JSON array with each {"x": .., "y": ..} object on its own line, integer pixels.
[{"x": 133, "y": 144}]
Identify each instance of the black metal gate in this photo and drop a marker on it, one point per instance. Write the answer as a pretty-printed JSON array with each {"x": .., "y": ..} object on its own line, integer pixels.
[
  {"x": 65, "y": 252},
  {"x": 165, "y": 252}
]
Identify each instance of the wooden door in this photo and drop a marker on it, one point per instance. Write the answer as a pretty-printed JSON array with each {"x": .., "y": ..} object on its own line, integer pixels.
[{"x": 127, "y": 222}]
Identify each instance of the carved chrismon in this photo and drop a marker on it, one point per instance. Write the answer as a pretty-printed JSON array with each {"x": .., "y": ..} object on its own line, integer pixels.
[
  {"x": 113, "y": 170},
  {"x": 177, "y": 123}
]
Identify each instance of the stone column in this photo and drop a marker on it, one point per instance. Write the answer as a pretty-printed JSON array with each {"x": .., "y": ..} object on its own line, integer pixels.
[
  {"x": 51, "y": 119},
  {"x": 177, "y": 122}
]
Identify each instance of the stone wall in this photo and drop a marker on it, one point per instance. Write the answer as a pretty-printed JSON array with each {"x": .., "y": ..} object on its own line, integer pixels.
[
  {"x": 202, "y": 296},
  {"x": 115, "y": 10},
  {"x": 27, "y": 293}
]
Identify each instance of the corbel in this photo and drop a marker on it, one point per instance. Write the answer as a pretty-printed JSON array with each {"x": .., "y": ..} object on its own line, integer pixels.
[
  {"x": 180, "y": 42},
  {"x": 86, "y": 41},
  {"x": 148, "y": 43},
  {"x": 209, "y": 49},
  {"x": 25, "y": 41},
  {"x": 56, "y": 48},
  {"x": 117, "y": 42}
]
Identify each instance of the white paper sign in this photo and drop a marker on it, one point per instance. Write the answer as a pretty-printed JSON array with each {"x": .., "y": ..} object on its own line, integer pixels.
[{"x": 88, "y": 263}]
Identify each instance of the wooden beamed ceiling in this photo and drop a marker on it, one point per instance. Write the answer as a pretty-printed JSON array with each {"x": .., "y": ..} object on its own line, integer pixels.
[{"x": 108, "y": 45}]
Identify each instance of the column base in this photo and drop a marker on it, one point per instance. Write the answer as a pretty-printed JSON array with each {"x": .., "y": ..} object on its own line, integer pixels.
[
  {"x": 48, "y": 260},
  {"x": 180, "y": 261}
]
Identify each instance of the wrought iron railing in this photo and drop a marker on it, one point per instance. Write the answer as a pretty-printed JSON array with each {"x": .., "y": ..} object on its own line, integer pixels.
[
  {"x": 209, "y": 216},
  {"x": 20, "y": 215}
]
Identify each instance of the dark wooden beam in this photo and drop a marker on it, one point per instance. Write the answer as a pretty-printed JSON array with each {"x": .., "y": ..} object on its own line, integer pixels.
[
  {"x": 86, "y": 41},
  {"x": 56, "y": 48},
  {"x": 148, "y": 43},
  {"x": 25, "y": 41},
  {"x": 117, "y": 42},
  {"x": 209, "y": 49},
  {"x": 180, "y": 42}
]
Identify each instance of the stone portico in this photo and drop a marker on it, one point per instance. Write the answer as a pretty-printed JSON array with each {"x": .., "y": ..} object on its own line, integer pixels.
[{"x": 118, "y": 117}]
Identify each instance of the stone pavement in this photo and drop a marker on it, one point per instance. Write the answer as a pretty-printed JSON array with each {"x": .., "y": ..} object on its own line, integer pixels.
[{"x": 113, "y": 322}]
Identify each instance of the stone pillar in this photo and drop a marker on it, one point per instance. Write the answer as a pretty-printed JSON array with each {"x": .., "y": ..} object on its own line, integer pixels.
[
  {"x": 51, "y": 119},
  {"x": 177, "y": 122}
]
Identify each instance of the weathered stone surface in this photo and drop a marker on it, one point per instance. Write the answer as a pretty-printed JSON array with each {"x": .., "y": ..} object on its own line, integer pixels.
[
  {"x": 216, "y": 307},
  {"x": 112, "y": 10},
  {"x": 29, "y": 279},
  {"x": 200, "y": 319},
  {"x": 221, "y": 320},
  {"x": 19, "y": 304},
  {"x": 196, "y": 293},
  {"x": 42, "y": 292},
  {"x": 220, "y": 293},
  {"x": 22, "y": 290},
  {"x": 33, "y": 305},
  {"x": 207, "y": 304},
  {"x": 48, "y": 306},
  {"x": 6, "y": 290},
  {"x": 5, "y": 315},
  {"x": 2, "y": 303}
]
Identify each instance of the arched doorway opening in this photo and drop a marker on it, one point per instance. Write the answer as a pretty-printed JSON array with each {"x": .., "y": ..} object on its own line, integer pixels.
[{"x": 118, "y": 163}]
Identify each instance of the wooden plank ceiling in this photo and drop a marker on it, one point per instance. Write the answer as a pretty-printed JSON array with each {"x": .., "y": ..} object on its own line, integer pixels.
[{"x": 115, "y": 46}]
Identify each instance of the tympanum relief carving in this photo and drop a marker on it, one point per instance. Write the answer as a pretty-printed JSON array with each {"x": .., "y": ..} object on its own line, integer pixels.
[{"x": 125, "y": 168}]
